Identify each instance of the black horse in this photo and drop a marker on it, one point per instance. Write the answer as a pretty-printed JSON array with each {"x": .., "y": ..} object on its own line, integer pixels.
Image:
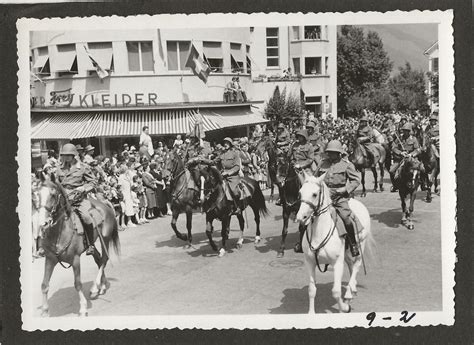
[
  {"x": 217, "y": 206},
  {"x": 408, "y": 184},
  {"x": 429, "y": 156},
  {"x": 183, "y": 198},
  {"x": 283, "y": 174}
]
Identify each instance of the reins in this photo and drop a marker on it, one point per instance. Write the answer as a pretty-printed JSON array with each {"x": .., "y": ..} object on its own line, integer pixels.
[{"x": 316, "y": 213}]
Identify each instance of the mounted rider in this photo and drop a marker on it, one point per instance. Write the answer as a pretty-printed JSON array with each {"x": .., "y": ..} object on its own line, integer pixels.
[
  {"x": 365, "y": 136},
  {"x": 432, "y": 133},
  {"x": 405, "y": 147},
  {"x": 342, "y": 179},
  {"x": 314, "y": 138},
  {"x": 283, "y": 140},
  {"x": 302, "y": 153},
  {"x": 229, "y": 160},
  {"x": 77, "y": 180},
  {"x": 245, "y": 157},
  {"x": 195, "y": 151}
]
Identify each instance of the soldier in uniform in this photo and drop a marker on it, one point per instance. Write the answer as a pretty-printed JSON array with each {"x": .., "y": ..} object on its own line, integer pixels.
[
  {"x": 245, "y": 158},
  {"x": 365, "y": 136},
  {"x": 283, "y": 139},
  {"x": 78, "y": 180},
  {"x": 315, "y": 140},
  {"x": 342, "y": 179},
  {"x": 433, "y": 132},
  {"x": 88, "y": 158},
  {"x": 407, "y": 146},
  {"x": 302, "y": 153},
  {"x": 230, "y": 162}
]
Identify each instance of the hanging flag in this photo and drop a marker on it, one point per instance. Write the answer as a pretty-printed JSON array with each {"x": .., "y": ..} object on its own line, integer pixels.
[
  {"x": 161, "y": 48},
  {"x": 35, "y": 76},
  {"x": 101, "y": 72},
  {"x": 197, "y": 64}
]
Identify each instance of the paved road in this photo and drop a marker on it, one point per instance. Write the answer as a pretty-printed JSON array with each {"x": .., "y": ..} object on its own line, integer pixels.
[{"x": 156, "y": 274}]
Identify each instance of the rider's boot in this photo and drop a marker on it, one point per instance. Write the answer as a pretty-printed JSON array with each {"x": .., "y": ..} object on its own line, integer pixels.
[
  {"x": 354, "y": 248},
  {"x": 392, "y": 179},
  {"x": 278, "y": 202},
  {"x": 88, "y": 231}
]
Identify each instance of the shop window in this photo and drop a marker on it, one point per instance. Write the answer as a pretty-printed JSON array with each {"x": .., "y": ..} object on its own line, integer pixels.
[
  {"x": 296, "y": 66},
  {"x": 296, "y": 32},
  {"x": 273, "y": 56},
  {"x": 178, "y": 52},
  {"x": 249, "y": 60},
  {"x": 41, "y": 65},
  {"x": 313, "y": 103},
  {"x": 326, "y": 60},
  {"x": 66, "y": 60},
  {"x": 312, "y": 32},
  {"x": 312, "y": 65},
  {"x": 140, "y": 56},
  {"x": 236, "y": 58},
  {"x": 213, "y": 56}
]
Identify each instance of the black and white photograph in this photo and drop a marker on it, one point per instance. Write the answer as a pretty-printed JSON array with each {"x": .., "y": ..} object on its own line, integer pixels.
[{"x": 237, "y": 171}]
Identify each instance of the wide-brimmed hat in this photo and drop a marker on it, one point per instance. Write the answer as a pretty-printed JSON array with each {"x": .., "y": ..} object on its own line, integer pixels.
[
  {"x": 364, "y": 118},
  {"x": 407, "y": 126},
  {"x": 89, "y": 148},
  {"x": 69, "y": 149},
  {"x": 311, "y": 124},
  {"x": 229, "y": 140},
  {"x": 334, "y": 146},
  {"x": 79, "y": 147}
]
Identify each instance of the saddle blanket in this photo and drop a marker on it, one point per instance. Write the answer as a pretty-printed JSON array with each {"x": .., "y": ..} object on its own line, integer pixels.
[
  {"x": 97, "y": 216},
  {"x": 341, "y": 228},
  {"x": 245, "y": 188}
]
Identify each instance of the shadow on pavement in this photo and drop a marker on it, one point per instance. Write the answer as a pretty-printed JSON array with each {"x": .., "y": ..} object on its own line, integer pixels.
[
  {"x": 390, "y": 218},
  {"x": 295, "y": 301},
  {"x": 66, "y": 301},
  {"x": 272, "y": 243},
  {"x": 175, "y": 242}
]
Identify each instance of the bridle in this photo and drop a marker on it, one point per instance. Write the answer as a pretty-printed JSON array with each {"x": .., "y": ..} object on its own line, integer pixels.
[{"x": 316, "y": 212}]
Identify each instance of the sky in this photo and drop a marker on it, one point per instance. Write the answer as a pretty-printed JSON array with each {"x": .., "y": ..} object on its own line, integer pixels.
[{"x": 406, "y": 42}]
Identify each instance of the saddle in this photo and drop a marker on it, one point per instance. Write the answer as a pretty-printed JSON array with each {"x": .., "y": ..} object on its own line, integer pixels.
[
  {"x": 245, "y": 188},
  {"x": 96, "y": 214},
  {"x": 341, "y": 228}
]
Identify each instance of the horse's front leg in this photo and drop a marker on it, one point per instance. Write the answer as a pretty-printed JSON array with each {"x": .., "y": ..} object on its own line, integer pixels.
[
  {"x": 209, "y": 230},
  {"x": 362, "y": 180},
  {"x": 284, "y": 231},
  {"x": 189, "y": 224},
  {"x": 76, "y": 266},
  {"x": 174, "y": 220},
  {"x": 336, "y": 289},
  {"x": 240, "y": 217},
  {"x": 310, "y": 262},
  {"x": 411, "y": 208},
  {"x": 224, "y": 234},
  {"x": 48, "y": 271},
  {"x": 404, "y": 207},
  {"x": 374, "y": 172},
  {"x": 382, "y": 173},
  {"x": 256, "y": 214}
]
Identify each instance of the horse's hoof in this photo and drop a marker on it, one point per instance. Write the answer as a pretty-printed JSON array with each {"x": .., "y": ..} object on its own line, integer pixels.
[
  {"x": 382, "y": 189},
  {"x": 83, "y": 314},
  {"x": 238, "y": 246},
  {"x": 411, "y": 227},
  {"x": 257, "y": 239},
  {"x": 363, "y": 195},
  {"x": 45, "y": 313},
  {"x": 93, "y": 295},
  {"x": 188, "y": 246},
  {"x": 280, "y": 254},
  {"x": 428, "y": 200},
  {"x": 298, "y": 248},
  {"x": 102, "y": 291},
  {"x": 221, "y": 252},
  {"x": 349, "y": 309}
]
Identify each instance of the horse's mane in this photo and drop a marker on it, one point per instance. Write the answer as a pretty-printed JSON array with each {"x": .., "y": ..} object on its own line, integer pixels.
[
  {"x": 63, "y": 198},
  {"x": 216, "y": 174}
]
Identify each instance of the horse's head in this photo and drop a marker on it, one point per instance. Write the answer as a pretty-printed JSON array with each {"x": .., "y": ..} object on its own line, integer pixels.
[
  {"x": 50, "y": 200},
  {"x": 173, "y": 163},
  {"x": 411, "y": 172},
  {"x": 313, "y": 197}
]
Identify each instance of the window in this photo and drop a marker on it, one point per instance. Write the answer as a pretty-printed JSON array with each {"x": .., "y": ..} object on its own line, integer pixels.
[
  {"x": 236, "y": 58},
  {"x": 435, "y": 65},
  {"x": 272, "y": 48},
  {"x": 140, "y": 56},
  {"x": 178, "y": 53},
  {"x": 313, "y": 103},
  {"x": 296, "y": 32},
  {"x": 312, "y": 32},
  {"x": 249, "y": 60},
  {"x": 312, "y": 65},
  {"x": 66, "y": 61},
  {"x": 102, "y": 53},
  {"x": 296, "y": 66},
  {"x": 213, "y": 56},
  {"x": 41, "y": 65},
  {"x": 326, "y": 59}
]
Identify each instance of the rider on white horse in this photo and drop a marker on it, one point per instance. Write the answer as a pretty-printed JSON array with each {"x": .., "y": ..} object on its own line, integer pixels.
[{"x": 342, "y": 179}]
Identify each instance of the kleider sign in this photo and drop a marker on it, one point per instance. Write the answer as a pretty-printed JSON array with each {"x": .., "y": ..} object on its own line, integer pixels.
[{"x": 97, "y": 99}]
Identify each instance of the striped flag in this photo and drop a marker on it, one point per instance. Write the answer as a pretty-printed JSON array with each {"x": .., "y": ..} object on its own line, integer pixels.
[
  {"x": 197, "y": 64},
  {"x": 101, "y": 72}
]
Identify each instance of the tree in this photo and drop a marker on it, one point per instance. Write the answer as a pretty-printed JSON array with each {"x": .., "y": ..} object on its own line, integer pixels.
[
  {"x": 434, "y": 81},
  {"x": 281, "y": 107},
  {"x": 407, "y": 89},
  {"x": 362, "y": 67}
]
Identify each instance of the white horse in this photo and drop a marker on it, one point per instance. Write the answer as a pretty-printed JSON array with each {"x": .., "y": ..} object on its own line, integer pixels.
[{"x": 322, "y": 243}]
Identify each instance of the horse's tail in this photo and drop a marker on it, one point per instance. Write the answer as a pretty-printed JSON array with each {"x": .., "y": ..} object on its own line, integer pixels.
[
  {"x": 115, "y": 239},
  {"x": 370, "y": 250},
  {"x": 259, "y": 200}
]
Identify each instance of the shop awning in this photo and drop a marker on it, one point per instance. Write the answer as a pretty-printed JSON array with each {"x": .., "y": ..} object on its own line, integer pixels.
[
  {"x": 40, "y": 62},
  {"x": 62, "y": 126},
  {"x": 64, "y": 61},
  {"x": 233, "y": 117}
]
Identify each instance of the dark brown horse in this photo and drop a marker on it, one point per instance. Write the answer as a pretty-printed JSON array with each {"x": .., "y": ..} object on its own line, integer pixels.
[
  {"x": 408, "y": 184},
  {"x": 183, "y": 198},
  {"x": 361, "y": 162},
  {"x": 430, "y": 159},
  {"x": 285, "y": 177},
  {"x": 217, "y": 206},
  {"x": 62, "y": 244}
]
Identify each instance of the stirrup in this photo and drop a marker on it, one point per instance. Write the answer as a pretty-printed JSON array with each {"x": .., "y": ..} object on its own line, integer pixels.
[{"x": 90, "y": 250}]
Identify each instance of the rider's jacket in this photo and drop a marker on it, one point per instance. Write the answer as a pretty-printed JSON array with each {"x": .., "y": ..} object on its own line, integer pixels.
[
  {"x": 315, "y": 140},
  {"x": 245, "y": 160},
  {"x": 433, "y": 132},
  {"x": 408, "y": 144},
  {"x": 79, "y": 174},
  {"x": 230, "y": 162},
  {"x": 365, "y": 132},
  {"x": 283, "y": 138},
  {"x": 339, "y": 174},
  {"x": 302, "y": 154}
]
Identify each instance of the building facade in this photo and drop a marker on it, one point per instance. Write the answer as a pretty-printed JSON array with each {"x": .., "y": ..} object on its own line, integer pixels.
[
  {"x": 433, "y": 67},
  {"x": 101, "y": 87}
]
